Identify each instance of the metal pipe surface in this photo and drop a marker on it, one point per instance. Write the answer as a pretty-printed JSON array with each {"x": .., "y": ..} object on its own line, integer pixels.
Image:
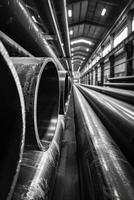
[
  {"x": 12, "y": 124},
  {"x": 40, "y": 83},
  {"x": 125, "y": 95},
  {"x": 12, "y": 47},
  {"x": 104, "y": 171},
  {"x": 127, "y": 86},
  {"x": 63, "y": 78},
  {"x": 118, "y": 118},
  {"x": 23, "y": 17},
  {"x": 37, "y": 173}
]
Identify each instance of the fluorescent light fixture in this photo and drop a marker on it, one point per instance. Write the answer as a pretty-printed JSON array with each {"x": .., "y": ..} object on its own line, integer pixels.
[
  {"x": 103, "y": 12},
  {"x": 83, "y": 58},
  {"x": 87, "y": 49},
  {"x": 71, "y": 32},
  {"x": 69, "y": 13},
  {"x": 81, "y": 41},
  {"x": 72, "y": 49},
  {"x": 72, "y": 54}
]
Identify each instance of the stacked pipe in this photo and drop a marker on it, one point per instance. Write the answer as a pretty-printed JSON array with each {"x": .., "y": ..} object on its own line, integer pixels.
[
  {"x": 31, "y": 124},
  {"x": 118, "y": 118},
  {"x": 104, "y": 171},
  {"x": 12, "y": 121},
  {"x": 122, "y": 94},
  {"x": 124, "y": 82},
  {"x": 34, "y": 34}
]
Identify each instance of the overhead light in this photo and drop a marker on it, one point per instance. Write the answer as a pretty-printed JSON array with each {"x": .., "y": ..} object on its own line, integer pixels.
[
  {"x": 69, "y": 13},
  {"x": 71, "y": 32},
  {"x": 72, "y": 54},
  {"x": 72, "y": 49},
  {"x": 81, "y": 41},
  {"x": 87, "y": 49},
  {"x": 103, "y": 12},
  {"x": 83, "y": 58},
  {"x": 62, "y": 44},
  {"x": 34, "y": 19}
]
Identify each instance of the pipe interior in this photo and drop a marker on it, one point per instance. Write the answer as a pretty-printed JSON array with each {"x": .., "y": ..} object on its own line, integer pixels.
[
  {"x": 47, "y": 103},
  {"x": 11, "y": 123}
]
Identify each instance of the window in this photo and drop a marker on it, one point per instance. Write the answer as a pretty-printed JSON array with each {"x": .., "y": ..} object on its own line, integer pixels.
[
  {"x": 121, "y": 36},
  {"x": 106, "y": 50}
]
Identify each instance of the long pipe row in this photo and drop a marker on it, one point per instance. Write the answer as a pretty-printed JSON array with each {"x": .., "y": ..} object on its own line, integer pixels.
[
  {"x": 104, "y": 171},
  {"x": 118, "y": 118},
  {"x": 122, "y": 94}
]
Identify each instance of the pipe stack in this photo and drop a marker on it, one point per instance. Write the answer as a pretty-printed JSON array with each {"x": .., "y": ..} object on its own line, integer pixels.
[{"x": 104, "y": 171}]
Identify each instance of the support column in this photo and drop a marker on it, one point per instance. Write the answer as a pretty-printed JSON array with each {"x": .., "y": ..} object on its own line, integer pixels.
[
  {"x": 102, "y": 72},
  {"x": 111, "y": 59},
  {"x": 129, "y": 55},
  {"x": 96, "y": 75}
]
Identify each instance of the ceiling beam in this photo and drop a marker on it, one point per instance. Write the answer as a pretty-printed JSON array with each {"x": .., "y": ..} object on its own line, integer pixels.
[{"x": 88, "y": 22}]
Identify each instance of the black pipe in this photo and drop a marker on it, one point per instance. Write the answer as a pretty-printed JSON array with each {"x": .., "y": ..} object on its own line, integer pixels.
[
  {"x": 63, "y": 78},
  {"x": 40, "y": 83},
  {"x": 13, "y": 48},
  {"x": 127, "y": 86},
  {"x": 23, "y": 17},
  {"x": 118, "y": 118},
  {"x": 12, "y": 124},
  {"x": 122, "y": 79},
  {"x": 122, "y": 94},
  {"x": 37, "y": 173},
  {"x": 104, "y": 171}
]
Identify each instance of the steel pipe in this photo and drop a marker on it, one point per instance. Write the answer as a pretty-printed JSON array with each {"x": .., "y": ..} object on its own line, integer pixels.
[
  {"x": 63, "y": 78},
  {"x": 40, "y": 83},
  {"x": 104, "y": 171},
  {"x": 118, "y": 118},
  {"x": 22, "y": 16},
  {"x": 12, "y": 122},
  {"x": 128, "y": 86},
  {"x": 125, "y": 95},
  {"x": 122, "y": 79},
  {"x": 13, "y": 48},
  {"x": 37, "y": 173}
]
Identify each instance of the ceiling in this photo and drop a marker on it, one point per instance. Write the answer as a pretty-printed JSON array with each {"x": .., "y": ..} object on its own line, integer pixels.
[{"x": 86, "y": 24}]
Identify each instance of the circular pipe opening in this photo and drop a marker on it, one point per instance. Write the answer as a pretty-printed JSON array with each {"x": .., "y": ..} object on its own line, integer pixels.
[
  {"x": 46, "y": 104},
  {"x": 66, "y": 89},
  {"x": 12, "y": 124}
]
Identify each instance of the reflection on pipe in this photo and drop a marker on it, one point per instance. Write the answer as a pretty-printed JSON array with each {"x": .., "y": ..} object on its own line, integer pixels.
[
  {"x": 13, "y": 47},
  {"x": 127, "y": 86},
  {"x": 12, "y": 124},
  {"x": 40, "y": 83},
  {"x": 23, "y": 17},
  {"x": 125, "y": 95},
  {"x": 117, "y": 116},
  {"x": 63, "y": 78},
  {"x": 37, "y": 174},
  {"x": 105, "y": 173}
]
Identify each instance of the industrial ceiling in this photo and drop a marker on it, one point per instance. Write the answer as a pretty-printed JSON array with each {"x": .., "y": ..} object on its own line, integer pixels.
[{"x": 73, "y": 28}]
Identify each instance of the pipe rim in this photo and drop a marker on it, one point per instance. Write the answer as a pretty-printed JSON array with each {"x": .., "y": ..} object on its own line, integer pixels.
[
  {"x": 39, "y": 141},
  {"x": 20, "y": 96}
]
